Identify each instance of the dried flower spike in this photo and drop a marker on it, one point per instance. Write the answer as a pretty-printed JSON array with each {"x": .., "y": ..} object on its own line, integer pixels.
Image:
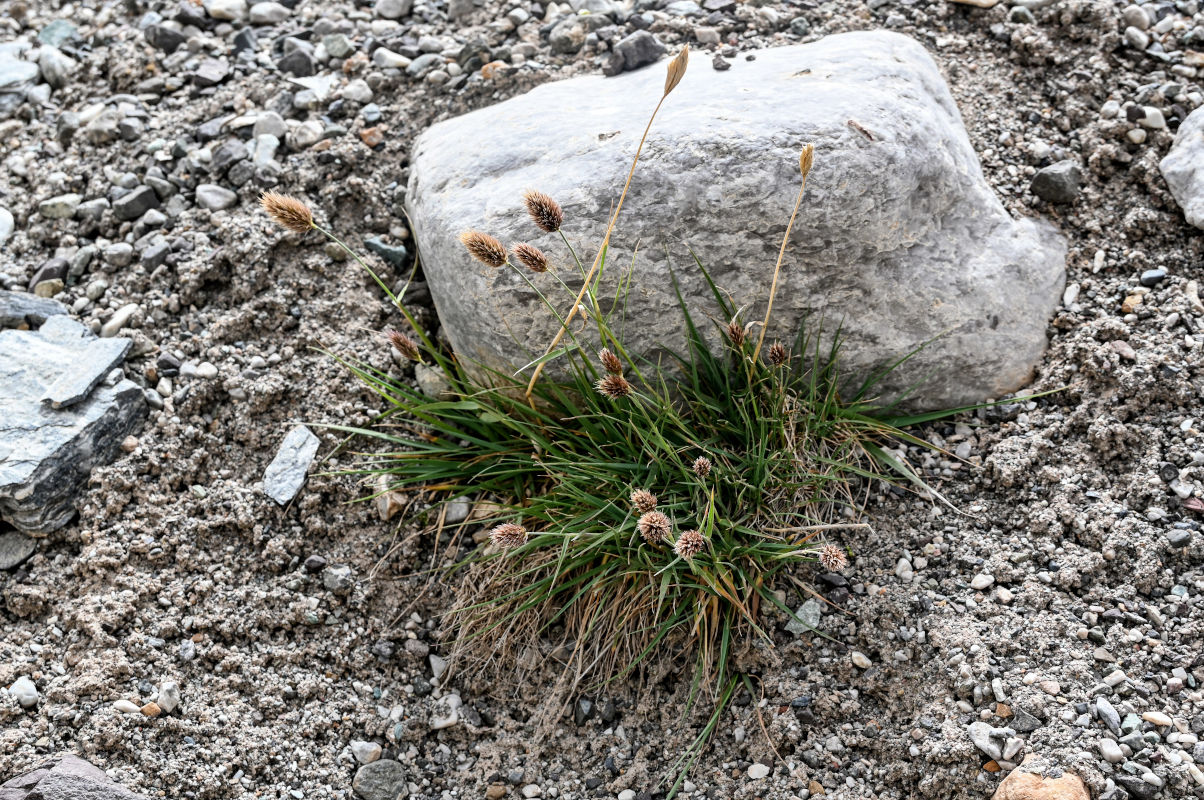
[
  {"x": 806, "y": 159},
  {"x": 736, "y": 333},
  {"x": 530, "y": 257},
  {"x": 610, "y": 362},
  {"x": 832, "y": 558},
  {"x": 689, "y": 544},
  {"x": 614, "y": 387},
  {"x": 643, "y": 500},
  {"x": 404, "y": 345},
  {"x": 545, "y": 212},
  {"x": 777, "y": 354},
  {"x": 508, "y": 535},
  {"x": 702, "y": 466},
  {"x": 677, "y": 69},
  {"x": 288, "y": 212},
  {"x": 654, "y": 527},
  {"x": 484, "y": 248}
]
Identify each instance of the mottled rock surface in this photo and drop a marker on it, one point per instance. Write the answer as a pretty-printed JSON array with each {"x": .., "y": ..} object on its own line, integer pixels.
[
  {"x": 900, "y": 239},
  {"x": 66, "y": 410},
  {"x": 286, "y": 474},
  {"x": 65, "y": 778},
  {"x": 1183, "y": 168}
]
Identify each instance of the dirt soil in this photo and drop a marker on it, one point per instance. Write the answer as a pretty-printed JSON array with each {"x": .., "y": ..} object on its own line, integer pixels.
[{"x": 1073, "y": 551}]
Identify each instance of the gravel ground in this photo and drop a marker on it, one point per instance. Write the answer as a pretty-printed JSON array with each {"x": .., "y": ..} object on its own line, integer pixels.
[{"x": 1062, "y": 601}]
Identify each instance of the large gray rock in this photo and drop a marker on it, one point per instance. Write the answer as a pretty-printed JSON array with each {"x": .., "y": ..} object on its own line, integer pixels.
[
  {"x": 65, "y": 411},
  {"x": 1183, "y": 168},
  {"x": 286, "y": 474},
  {"x": 899, "y": 238},
  {"x": 65, "y": 778}
]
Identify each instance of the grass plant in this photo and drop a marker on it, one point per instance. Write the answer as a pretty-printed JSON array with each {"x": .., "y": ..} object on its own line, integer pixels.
[{"x": 643, "y": 515}]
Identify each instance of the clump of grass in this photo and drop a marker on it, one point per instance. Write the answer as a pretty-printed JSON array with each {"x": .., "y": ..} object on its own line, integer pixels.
[{"x": 643, "y": 510}]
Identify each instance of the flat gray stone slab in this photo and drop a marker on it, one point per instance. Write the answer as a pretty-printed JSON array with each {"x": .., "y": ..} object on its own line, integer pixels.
[
  {"x": 97, "y": 359},
  {"x": 65, "y": 778},
  {"x": 286, "y": 474},
  {"x": 15, "y": 548},
  {"x": 24, "y": 310},
  {"x": 46, "y": 453},
  {"x": 900, "y": 240}
]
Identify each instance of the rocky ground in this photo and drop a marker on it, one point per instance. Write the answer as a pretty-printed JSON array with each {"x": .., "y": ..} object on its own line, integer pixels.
[{"x": 1059, "y": 611}]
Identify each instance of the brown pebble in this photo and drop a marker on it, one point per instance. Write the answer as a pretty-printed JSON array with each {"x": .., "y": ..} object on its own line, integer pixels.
[
  {"x": 1003, "y": 710},
  {"x": 991, "y": 766},
  {"x": 1131, "y": 303},
  {"x": 815, "y": 787},
  {"x": 1028, "y": 782},
  {"x": 496, "y": 791},
  {"x": 493, "y": 69},
  {"x": 129, "y": 444},
  {"x": 372, "y": 136},
  {"x": 152, "y": 710}
]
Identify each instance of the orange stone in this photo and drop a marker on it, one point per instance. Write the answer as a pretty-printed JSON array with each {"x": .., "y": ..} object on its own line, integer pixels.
[
  {"x": 152, "y": 710},
  {"x": 493, "y": 70},
  {"x": 1003, "y": 710},
  {"x": 815, "y": 787},
  {"x": 1029, "y": 781},
  {"x": 992, "y": 766},
  {"x": 372, "y": 136}
]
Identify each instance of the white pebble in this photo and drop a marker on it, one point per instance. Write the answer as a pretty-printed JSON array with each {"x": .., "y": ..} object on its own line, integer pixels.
[
  {"x": 861, "y": 660},
  {"x": 758, "y": 771},
  {"x": 24, "y": 692},
  {"x": 126, "y": 707}
]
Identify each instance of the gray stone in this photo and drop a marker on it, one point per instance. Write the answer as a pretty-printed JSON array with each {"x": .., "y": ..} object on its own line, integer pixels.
[
  {"x": 226, "y": 9},
  {"x": 392, "y": 254},
  {"x": 1108, "y": 715},
  {"x": 16, "y": 76},
  {"x": 392, "y": 9},
  {"x": 286, "y": 474},
  {"x": 61, "y": 207},
  {"x": 901, "y": 241},
  {"x": 299, "y": 63},
  {"x": 65, "y": 778},
  {"x": 22, "y": 310},
  {"x": 1183, "y": 168},
  {"x": 423, "y": 63},
  {"x": 134, "y": 204},
  {"x": 212, "y": 197},
  {"x": 55, "y": 67},
  {"x": 46, "y": 453},
  {"x": 268, "y": 13},
  {"x": 210, "y": 72},
  {"x": 58, "y": 33},
  {"x": 632, "y": 52},
  {"x": 808, "y": 618},
  {"x": 7, "y": 224},
  {"x": 15, "y": 548},
  {"x": 983, "y": 737},
  {"x": 164, "y": 38},
  {"x": 97, "y": 359},
  {"x": 1111, "y": 751},
  {"x": 1058, "y": 183},
  {"x": 384, "y": 779}
]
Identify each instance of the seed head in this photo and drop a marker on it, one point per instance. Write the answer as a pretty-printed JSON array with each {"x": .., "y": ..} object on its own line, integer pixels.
[
  {"x": 777, "y": 354},
  {"x": 610, "y": 362},
  {"x": 654, "y": 527},
  {"x": 614, "y": 387},
  {"x": 404, "y": 345},
  {"x": 287, "y": 212},
  {"x": 736, "y": 333},
  {"x": 702, "y": 466},
  {"x": 689, "y": 544},
  {"x": 484, "y": 248},
  {"x": 643, "y": 500},
  {"x": 677, "y": 69},
  {"x": 530, "y": 257},
  {"x": 545, "y": 212},
  {"x": 806, "y": 158},
  {"x": 832, "y": 558},
  {"x": 508, "y": 535}
]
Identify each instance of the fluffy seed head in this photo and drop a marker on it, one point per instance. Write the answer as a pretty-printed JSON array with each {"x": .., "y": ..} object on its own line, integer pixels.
[
  {"x": 702, "y": 466},
  {"x": 288, "y": 212},
  {"x": 610, "y": 362},
  {"x": 736, "y": 333},
  {"x": 654, "y": 527},
  {"x": 689, "y": 544},
  {"x": 614, "y": 387},
  {"x": 832, "y": 558},
  {"x": 545, "y": 212},
  {"x": 484, "y": 248},
  {"x": 508, "y": 535},
  {"x": 404, "y": 345},
  {"x": 806, "y": 158},
  {"x": 677, "y": 69},
  {"x": 530, "y": 257},
  {"x": 777, "y": 354},
  {"x": 643, "y": 500}
]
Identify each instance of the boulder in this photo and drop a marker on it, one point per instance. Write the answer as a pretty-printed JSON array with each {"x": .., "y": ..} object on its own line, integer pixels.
[
  {"x": 899, "y": 240},
  {"x": 1041, "y": 779},
  {"x": 1183, "y": 168},
  {"x": 65, "y": 777},
  {"x": 67, "y": 409}
]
